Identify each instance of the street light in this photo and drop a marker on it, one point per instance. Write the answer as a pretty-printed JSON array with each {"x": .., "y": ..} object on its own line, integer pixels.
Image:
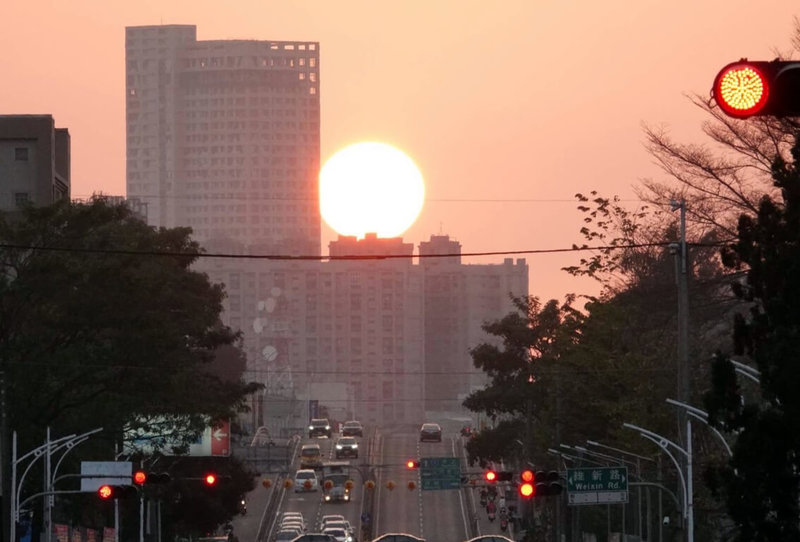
[
  {"x": 685, "y": 477},
  {"x": 746, "y": 371},
  {"x": 702, "y": 415},
  {"x": 51, "y": 482}
]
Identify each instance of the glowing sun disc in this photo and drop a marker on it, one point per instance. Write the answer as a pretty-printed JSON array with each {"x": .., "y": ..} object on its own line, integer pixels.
[{"x": 370, "y": 187}]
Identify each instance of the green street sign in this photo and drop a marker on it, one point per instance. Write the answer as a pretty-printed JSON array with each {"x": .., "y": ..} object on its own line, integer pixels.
[
  {"x": 440, "y": 473},
  {"x": 601, "y": 485}
]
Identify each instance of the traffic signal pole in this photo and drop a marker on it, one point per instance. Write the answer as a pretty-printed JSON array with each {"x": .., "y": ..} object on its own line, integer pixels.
[{"x": 528, "y": 447}]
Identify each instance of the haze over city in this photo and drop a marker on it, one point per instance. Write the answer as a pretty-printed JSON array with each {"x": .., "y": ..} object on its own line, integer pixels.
[
  {"x": 508, "y": 110},
  {"x": 298, "y": 258}
]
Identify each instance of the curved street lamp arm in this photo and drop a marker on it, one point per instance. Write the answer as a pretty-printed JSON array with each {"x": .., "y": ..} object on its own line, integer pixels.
[
  {"x": 747, "y": 374},
  {"x": 716, "y": 432},
  {"x": 702, "y": 416},
  {"x": 574, "y": 458},
  {"x": 618, "y": 450},
  {"x": 38, "y": 451},
  {"x": 620, "y": 460},
  {"x": 745, "y": 368},
  {"x": 698, "y": 412},
  {"x": 661, "y": 441}
]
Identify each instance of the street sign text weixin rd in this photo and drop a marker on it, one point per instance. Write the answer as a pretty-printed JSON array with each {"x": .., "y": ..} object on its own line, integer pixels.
[{"x": 601, "y": 485}]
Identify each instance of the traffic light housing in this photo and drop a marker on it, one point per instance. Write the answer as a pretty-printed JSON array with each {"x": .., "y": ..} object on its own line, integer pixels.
[
  {"x": 547, "y": 484},
  {"x": 493, "y": 476},
  {"x": 412, "y": 464},
  {"x": 527, "y": 487},
  {"x": 141, "y": 478},
  {"x": 108, "y": 492},
  {"x": 755, "y": 88}
]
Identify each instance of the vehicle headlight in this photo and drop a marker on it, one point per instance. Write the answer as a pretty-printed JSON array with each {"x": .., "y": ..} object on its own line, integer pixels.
[
  {"x": 338, "y": 446},
  {"x": 310, "y": 427},
  {"x": 355, "y": 446},
  {"x": 327, "y": 427},
  {"x": 347, "y": 497},
  {"x": 327, "y": 497}
]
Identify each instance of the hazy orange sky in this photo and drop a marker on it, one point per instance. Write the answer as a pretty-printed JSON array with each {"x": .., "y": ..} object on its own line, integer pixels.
[{"x": 525, "y": 100}]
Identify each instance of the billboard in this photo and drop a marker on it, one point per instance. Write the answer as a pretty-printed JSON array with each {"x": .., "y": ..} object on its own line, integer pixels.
[{"x": 212, "y": 442}]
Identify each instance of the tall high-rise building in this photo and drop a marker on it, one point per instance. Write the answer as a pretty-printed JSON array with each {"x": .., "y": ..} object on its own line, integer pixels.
[
  {"x": 34, "y": 161},
  {"x": 224, "y": 136},
  {"x": 459, "y": 299}
]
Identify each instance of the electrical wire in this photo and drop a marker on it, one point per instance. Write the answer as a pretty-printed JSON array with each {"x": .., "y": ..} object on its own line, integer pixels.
[{"x": 287, "y": 257}]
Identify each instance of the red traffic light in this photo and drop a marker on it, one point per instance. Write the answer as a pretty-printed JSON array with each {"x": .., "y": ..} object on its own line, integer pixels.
[
  {"x": 742, "y": 89},
  {"x": 210, "y": 479},
  {"x": 105, "y": 492},
  {"x": 139, "y": 477},
  {"x": 753, "y": 88},
  {"x": 412, "y": 464},
  {"x": 490, "y": 476},
  {"x": 527, "y": 476},
  {"x": 527, "y": 489}
]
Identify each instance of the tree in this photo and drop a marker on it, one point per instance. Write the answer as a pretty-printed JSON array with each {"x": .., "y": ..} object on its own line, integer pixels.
[
  {"x": 760, "y": 483},
  {"x": 613, "y": 362},
  {"x": 518, "y": 360},
  {"x": 727, "y": 177},
  {"x": 103, "y": 323}
]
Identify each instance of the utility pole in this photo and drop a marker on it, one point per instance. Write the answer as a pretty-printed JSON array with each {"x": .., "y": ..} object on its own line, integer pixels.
[
  {"x": 682, "y": 280},
  {"x": 5, "y": 461}
]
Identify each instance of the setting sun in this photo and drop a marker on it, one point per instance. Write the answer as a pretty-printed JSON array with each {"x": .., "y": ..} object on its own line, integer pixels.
[{"x": 370, "y": 188}]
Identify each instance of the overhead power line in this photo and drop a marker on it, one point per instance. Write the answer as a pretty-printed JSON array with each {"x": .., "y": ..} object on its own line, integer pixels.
[{"x": 287, "y": 257}]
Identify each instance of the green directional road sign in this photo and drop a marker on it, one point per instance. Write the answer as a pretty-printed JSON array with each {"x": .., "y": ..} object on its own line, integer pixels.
[
  {"x": 440, "y": 472},
  {"x": 601, "y": 485}
]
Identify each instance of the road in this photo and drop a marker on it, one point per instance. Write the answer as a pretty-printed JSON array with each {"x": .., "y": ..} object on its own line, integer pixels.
[
  {"x": 311, "y": 504},
  {"x": 434, "y": 515}
]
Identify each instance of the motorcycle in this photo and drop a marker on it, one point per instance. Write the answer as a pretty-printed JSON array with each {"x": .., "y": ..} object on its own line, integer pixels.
[
  {"x": 503, "y": 524},
  {"x": 484, "y": 496},
  {"x": 491, "y": 516}
]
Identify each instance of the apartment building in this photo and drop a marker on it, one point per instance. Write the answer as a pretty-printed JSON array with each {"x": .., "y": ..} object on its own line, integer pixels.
[
  {"x": 224, "y": 136},
  {"x": 34, "y": 161}
]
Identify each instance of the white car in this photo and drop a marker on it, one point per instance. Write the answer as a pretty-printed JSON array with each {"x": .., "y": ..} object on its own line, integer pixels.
[
  {"x": 341, "y": 535},
  {"x": 340, "y": 525},
  {"x": 306, "y": 480},
  {"x": 328, "y": 518},
  {"x": 295, "y": 515},
  {"x": 287, "y": 535},
  {"x": 293, "y": 524}
]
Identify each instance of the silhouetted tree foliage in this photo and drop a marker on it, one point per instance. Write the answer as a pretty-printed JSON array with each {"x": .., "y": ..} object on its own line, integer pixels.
[
  {"x": 103, "y": 323},
  {"x": 519, "y": 360},
  {"x": 760, "y": 483}
]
